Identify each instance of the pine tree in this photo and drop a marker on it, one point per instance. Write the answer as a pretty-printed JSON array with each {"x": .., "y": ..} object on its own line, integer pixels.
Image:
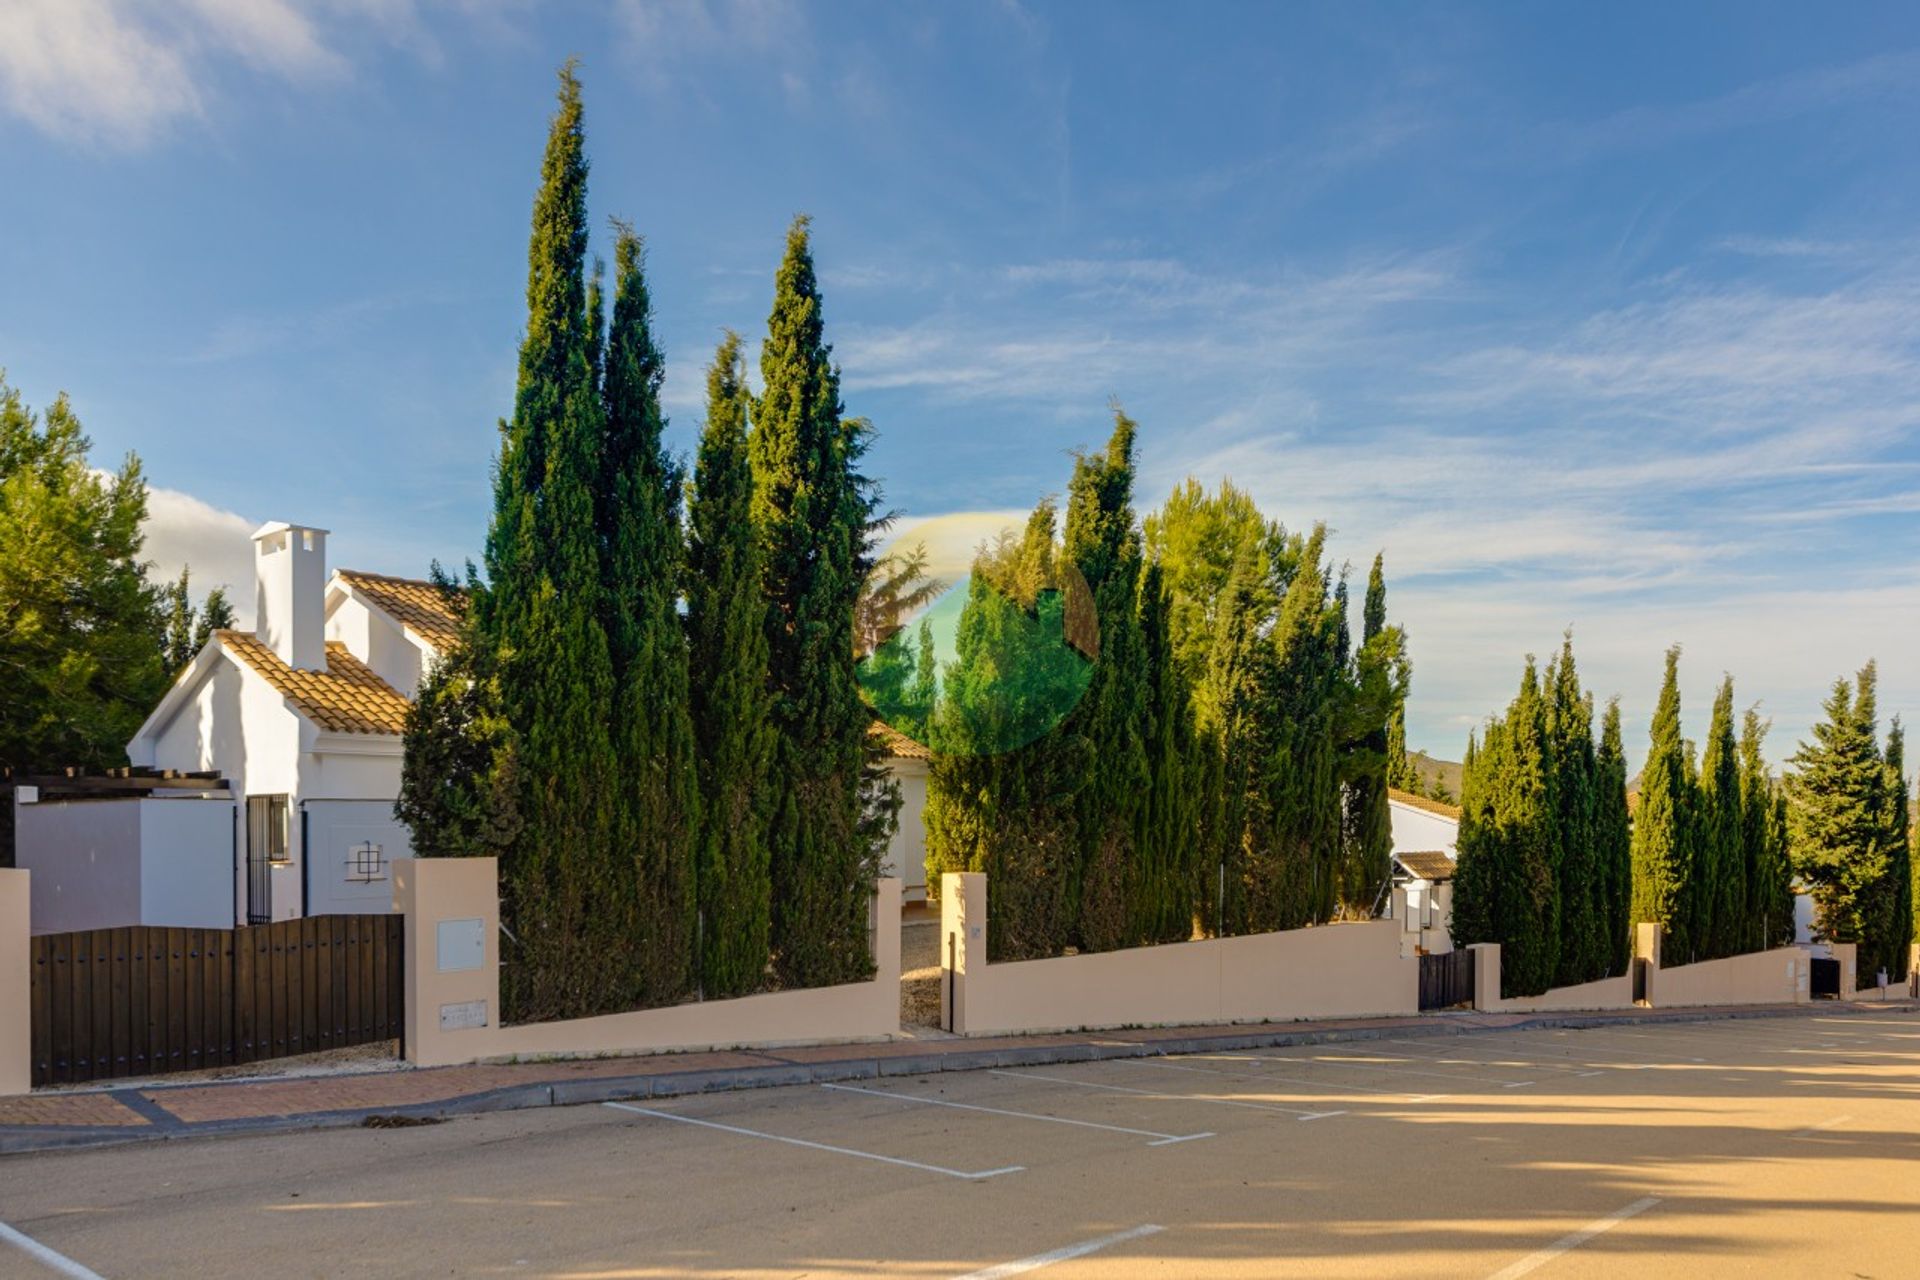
[
  {"x": 1102, "y": 543},
  {"x": 1719, "y": 882},
  {"x": 1663, "y": 841},
  {"x": 1837, "y": 813},
  {"x": 1578, "y": 903},
  {"x": 727, "y": 646},
  {"x": 637, "y": 501},
  {"x": 812, "y": 512},
  {"x": 1613, "y": 846}
]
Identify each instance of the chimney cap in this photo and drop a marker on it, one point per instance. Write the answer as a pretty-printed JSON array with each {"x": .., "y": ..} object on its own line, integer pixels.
[{"x": 283, "y": 526}]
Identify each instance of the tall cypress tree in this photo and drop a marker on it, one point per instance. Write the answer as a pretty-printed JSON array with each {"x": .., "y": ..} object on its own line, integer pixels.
[
  {"x": 1578, "y": 905},
  {"x": 1376, "y": 702},
  {"x": 1613, "y": 845},
  {"x": 1838, "y": 821},
  {"x": 1662, "y": 841},
  {"x": 727, "y": 644},
  {"x": 1719, "y": 881},
  {"x": 1161, "y": 908},
  {"x": 1102, "y": 542},
  {"x": 540, "y": 622},
  {"x": 1898, "y": 890},
  {"x": 638, "y": 502},
  {"x": 1768, "y": 905},
  {"x": 1504, "y": 883},
  {"x": 812, "y": 511}
]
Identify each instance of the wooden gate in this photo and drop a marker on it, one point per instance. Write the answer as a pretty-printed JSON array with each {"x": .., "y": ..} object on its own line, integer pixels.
[
  {"x": 141, "y": 1000},
  {"x": 1446, "y": 980}
]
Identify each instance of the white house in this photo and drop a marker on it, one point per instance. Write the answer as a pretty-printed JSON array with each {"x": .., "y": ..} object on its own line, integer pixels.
[
  {"x": 906, "y": 858},
  {"x": 303, "y": 718},
  {"x": 1425, "y": 836}
]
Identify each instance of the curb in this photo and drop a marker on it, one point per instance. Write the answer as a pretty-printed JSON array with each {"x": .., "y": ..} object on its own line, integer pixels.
[{"x": 21, "y": 1139}]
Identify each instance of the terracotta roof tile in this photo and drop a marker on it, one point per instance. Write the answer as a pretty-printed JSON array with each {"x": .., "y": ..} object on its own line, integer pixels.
[
  {"x": 897, "y": 744},
  {"x": 1428, "y": 864},
  {"x": 345, "y": 698},
  {"x": 414, "y": 604},
  {"x": 1440, "y": 807}
]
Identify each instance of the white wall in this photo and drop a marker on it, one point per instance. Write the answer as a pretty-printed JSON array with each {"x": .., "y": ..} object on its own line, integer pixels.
[
  {"x": 1434, "y": 939},
  {"x": 186, "y": 862},
  {"x": 1417, "y": 831},
  {"x": 906, "y": 858},
  {"x": 98, "y": 864},
  {"x": 85, "y": 860},
  {"x": 334, "y": 828},
  {"x": 376, "y": 639}
]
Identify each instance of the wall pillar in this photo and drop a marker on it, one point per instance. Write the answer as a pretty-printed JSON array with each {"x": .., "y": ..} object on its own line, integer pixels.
[
  {"x": 1848, "y": 954},
  {"x": 16, "y": 982},
  {"x": 1486, "y": 976},
  {"x": 963, "y": 940},
  {"x": 452, "y": 906}
]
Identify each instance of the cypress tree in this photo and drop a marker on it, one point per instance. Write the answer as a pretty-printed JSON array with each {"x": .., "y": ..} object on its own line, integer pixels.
[
  {"x": 1768, "y": 907},
  {"x": 563, "y": 878},
  {"x": 1837, "y": 812},
  {"x": 1898, "y": 889},
  {"x": 1376, "y": 698},
  {"x": 1001, "y": 792},
  {"x": 727, "y": 645},
  {"x": 1578, "y": 903},
  {"x": 1504, "y": 881},
  {"x": 1162, "y": 908},
  {"x": 1719, "y": 881},
  {"x": 1613, "y": 845},
  {"x": 1227, "y": 709},
  {"x": 1102, "y": 542},
  {"x": 1662, "y": 843},
  {"x": 924, "y": 692},
  {"x": 812, "y": 511},
  {"x": 638, "y": 503}
]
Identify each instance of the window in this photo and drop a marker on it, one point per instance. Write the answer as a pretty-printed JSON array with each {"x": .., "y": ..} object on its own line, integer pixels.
[
  {"x": 267, "y": 828},
  {"x": 1413, "y": 909}
]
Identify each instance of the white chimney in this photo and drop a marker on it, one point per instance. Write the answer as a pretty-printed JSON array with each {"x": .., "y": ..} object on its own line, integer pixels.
[{"x": 290, "y": 592}]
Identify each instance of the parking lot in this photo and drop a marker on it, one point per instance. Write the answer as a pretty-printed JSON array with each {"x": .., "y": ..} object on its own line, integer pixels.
[{"x": 1782, "y": 1146}]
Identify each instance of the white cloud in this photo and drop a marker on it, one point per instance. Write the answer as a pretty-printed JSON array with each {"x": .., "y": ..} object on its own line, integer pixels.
[
  {"x": 217, "y": 545},
  {"x": 120, "y": 73},
  {"x": 952, "y": 538}
]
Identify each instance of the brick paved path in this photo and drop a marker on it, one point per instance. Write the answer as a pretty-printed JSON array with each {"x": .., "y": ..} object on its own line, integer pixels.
[{"x": 71, "y": 1117}]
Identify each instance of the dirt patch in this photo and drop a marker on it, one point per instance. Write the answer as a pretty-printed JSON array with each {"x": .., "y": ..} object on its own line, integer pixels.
[
  {"x": 399, "y": 1122},
  {"x": 920, "y": 974}
]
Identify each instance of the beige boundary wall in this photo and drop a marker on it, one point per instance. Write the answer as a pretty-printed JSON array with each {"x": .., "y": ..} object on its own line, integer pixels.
[
  {"x": 1333, "y": 971},
  {"x": 1608, "y": 993},
  {"x": 1779, "y": 976},
  {"x": 452, "y": 906},
  {"x": 16, "y": 982}
]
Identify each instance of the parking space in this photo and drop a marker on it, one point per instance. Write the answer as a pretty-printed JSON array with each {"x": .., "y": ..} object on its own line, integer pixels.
[{"x": 1717, "y": 1148}]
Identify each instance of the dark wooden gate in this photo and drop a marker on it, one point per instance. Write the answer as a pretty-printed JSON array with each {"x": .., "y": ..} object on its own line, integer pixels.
[
  {"x": 1825, "y": 978},
  {"x": 1446, "y": 980},
  {"x": 141, "y": 1000}
]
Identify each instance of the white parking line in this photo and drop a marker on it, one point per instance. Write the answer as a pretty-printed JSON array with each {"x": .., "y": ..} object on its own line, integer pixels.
[
  {"x": 1173, "y": 1097},
  {"x": 1161, "y": 1139},
  {"x": 1047, "y": 1259},
  {"x": 46, "y": 1257},
  {"x": 1628, "y": 1053},
  {"x": 1534, "y": 1261},
  {"x": 1500, "y": 1057},
  {"x": 1267, "y": 1075},
  {"x": 1812, "y": 1129},
  {"x": 817, "y": 1146},
  {"x": 1455, "y": 1076}
]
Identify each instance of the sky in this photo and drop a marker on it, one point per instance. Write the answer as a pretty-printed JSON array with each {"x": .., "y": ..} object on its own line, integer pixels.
[{"x": 1601, "y": 317}]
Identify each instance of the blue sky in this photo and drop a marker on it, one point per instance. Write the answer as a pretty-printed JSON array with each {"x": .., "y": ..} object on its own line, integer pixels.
[{"x": 1605, "y": 317}]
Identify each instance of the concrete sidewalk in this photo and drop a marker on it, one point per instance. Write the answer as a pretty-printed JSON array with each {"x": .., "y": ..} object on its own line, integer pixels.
[{"x": 147, "y": 1111}]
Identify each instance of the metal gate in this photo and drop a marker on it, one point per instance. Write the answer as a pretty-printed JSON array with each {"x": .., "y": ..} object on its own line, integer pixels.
[{"x": 1446, "y": 980}]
